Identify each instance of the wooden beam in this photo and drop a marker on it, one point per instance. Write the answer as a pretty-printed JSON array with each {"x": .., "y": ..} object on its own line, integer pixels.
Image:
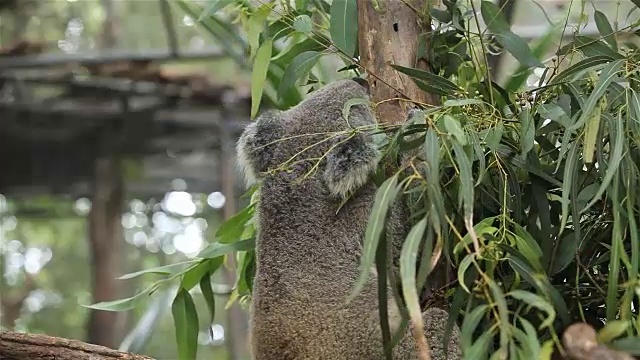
[{"x": 158, "y": 55}]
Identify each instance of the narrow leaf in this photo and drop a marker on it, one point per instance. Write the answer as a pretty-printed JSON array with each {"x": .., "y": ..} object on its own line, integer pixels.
[
  {"x": 383, "y": 200},
  {"x": 429, "y": 78},
  {"x": 216, "y": 249},
  {"x": 452, "y": 125},
  {"x": 614, "y": 161},
  {"x": 606, "y": 77},
  {"x": 160, "y": 270},
  {"x": 255, "y": 26},
  {"x": 185, "y": 319},
  {"x": 207, "y": 293},
  {"x": 344, "y": 26},
  {"x": 297, "y": 69},
  {"x": 408, "y": 261},
  {"x": 214, "y": 7},
  {"x": 605, "y": 29},
  {"x": 612, "y": 330},
  {"x": 536, "y": 301},
  {"x": 231, "y": 230},
  {"x": 259, "y": 75}
]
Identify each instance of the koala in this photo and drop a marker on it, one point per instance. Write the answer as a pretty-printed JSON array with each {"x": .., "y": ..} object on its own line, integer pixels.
[{"x": 313, "y": 207}]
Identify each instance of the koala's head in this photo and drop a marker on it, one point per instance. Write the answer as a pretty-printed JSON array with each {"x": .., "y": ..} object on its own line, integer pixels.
[{"x": 314, "y": 139}]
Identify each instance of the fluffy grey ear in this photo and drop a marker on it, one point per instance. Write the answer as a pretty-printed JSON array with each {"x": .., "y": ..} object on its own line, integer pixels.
[
  {"x": 350, "y": 163},
  {"x": 256, "y": 147}
]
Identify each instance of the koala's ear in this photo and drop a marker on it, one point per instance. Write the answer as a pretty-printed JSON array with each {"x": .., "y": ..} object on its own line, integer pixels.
[
  {"x": 350, "y": 163},
  {"x": 256, "y": 147}
]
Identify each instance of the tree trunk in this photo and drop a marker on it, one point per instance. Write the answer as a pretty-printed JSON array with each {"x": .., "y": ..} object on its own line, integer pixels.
[
  {"x": 22, "y": 346},
  {"x": 390, "y": 36},
  {"x": 105, "y": 232}
]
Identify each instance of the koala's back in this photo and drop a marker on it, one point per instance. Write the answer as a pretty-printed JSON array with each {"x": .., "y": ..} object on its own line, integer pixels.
[{"x": 307, "y": 264}]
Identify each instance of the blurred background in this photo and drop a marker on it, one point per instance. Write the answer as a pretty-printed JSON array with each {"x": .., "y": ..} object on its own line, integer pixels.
[{"x": 132, "y": 102}]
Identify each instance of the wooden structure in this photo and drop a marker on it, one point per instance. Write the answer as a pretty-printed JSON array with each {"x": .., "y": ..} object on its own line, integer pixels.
[{"x": 113, "y": 125}]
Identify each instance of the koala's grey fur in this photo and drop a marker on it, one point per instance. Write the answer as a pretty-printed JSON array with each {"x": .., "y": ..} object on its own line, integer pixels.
[{"x": 310, "y": 240}]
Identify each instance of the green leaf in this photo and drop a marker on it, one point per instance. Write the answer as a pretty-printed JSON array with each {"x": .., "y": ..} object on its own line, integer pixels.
[
  {"x": 462, "y": 102},
  {"x": 553, "y": 112},
  {"x": 256, "y": 25},
  {"x": 383, "y": 200},
  {"x": 528, "y": 129},
  {"x": 408, "y": 261},
  {"x": 303, "y": 24},
  {"x": 564, "y": 254},
  {"x": 605, "y": 29},
  {"x": 284, "y": 58},
  {"x": 493, "y": 17},
  {"x": 192, "y": 277},
  {"x": 574, "y": 71},
  {"x": 513, "y": 43},
  {"x": 470, "y": 323},
  {"x": 567, "y": 180},
  {"x": 466, "y": 180},
  {"x": 344, "y": 26},
  {"x": 612, "y": 330},
  {"x": 301, "y": 4},
  {"x": 503, "y": 312},
  {"x": 480, "y": 347},
  {"x": 590, "y": 47},
  {"x": 606, "y": 77},
  {"x": 531, "y": 339},
  {"x": 207, "y": 293},
  {"x": 216, "y": 249},
  {"x": 540, "y": 48},
  {"x": 231, "y": 230},
  {"x": 462, "y": 269},
  {"x": 629, "y": 344},
  {"x": 259, "y": 75},
  {"x": 117, "y": 305},
  {"x": 590, "y": 134},
  {"x": 452, "y": 125},
  {"x": 214, "y": 7},
  {"x": 615, "y": 158},
  {"x": 536, "y": 301},
  {"x": 170, "y": 269},
  {"x": 437, "y": 82},
  {"x": 185, "y": 319},
  {"x": 528, "y": 247},
  {"x": 494, "y": 136},
  {"x": 519, "y": 48},
  {"x": 297, "y": 69}
]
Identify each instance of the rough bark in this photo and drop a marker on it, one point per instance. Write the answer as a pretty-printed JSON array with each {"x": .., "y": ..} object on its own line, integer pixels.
[
  {"x": 390, "y": 36},
  {"x": 22, "y": 346},
  {"x": 105, "y": 232}
]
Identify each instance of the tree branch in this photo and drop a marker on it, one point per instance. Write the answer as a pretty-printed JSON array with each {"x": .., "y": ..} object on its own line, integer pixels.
[{"x": 22, "y": 346}]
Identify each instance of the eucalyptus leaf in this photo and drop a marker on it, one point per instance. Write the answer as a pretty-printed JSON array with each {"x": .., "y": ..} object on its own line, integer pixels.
[
  {"x": 259, "y": 74},
  {"x": 185, "y": 319},
  {"x": 344, "y": 26}
]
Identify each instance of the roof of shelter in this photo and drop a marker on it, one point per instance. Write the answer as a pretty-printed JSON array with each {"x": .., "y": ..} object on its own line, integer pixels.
[{"x": 59, "y": 112}]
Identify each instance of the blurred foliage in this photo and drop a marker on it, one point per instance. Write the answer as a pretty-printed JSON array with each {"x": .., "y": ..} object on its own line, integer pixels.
[{"x": 530, "y": 192}]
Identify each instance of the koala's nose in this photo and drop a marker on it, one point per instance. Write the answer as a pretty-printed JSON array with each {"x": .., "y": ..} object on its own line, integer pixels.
[{"x": 363, "y": 82}]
